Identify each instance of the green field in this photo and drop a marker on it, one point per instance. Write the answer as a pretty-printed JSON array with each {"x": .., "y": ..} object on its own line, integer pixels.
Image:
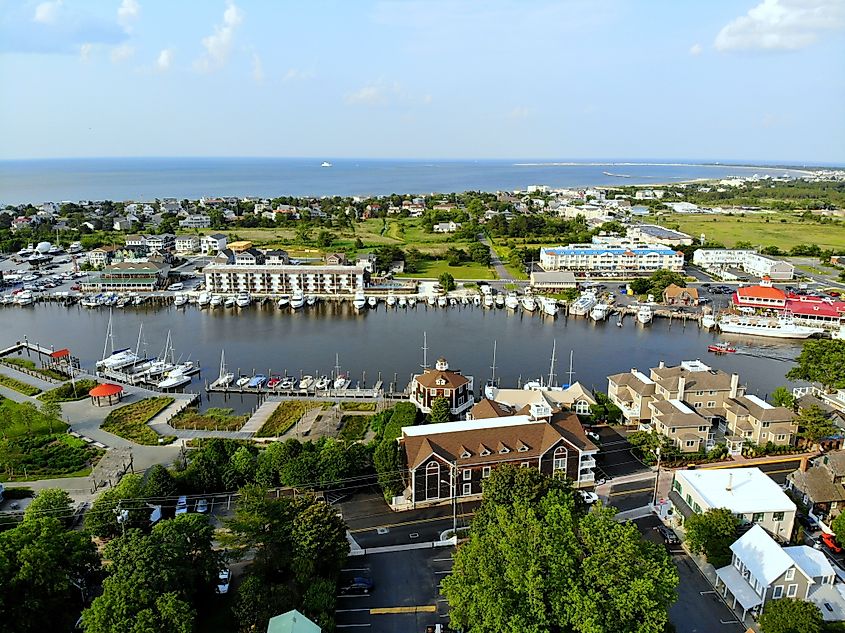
[
  {"x": 468, "y": 270},
  {"x": 783, "y": 230}
]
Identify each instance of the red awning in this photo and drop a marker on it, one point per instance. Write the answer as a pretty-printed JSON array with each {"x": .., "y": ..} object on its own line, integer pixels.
[
  {"x": 60, "y": 353},
  {"x": 105, "y": 390}
]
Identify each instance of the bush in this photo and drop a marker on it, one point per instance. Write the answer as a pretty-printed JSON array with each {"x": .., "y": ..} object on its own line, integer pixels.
[
  {"x": 66, "y": 393},
  {"x": 19, "y": 386},
  {"x": 47, "y": 455},
  {"x": 31, "y": 366},
  {"x": 213, "y": 419},
  {"x": 354, "y": 427},
  {"x": 285, "y": 416},
  {"x": 357, "y": 406},
  {"x": 130, "y": 421}
]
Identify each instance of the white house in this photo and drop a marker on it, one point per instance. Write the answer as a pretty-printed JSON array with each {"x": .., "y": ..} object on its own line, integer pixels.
[
  {"x": 196, "y": 221},
  {"x": 446, "y": 227},
  {"x": 748, "y": 493},
  {"x": 212, "y": 244},
  {"x": 187, "y": 243}
]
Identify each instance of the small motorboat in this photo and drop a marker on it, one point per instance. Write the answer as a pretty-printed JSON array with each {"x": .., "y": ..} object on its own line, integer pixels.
[
  {"x": 243, "y": 300},
  {"x": 441, "y": 302},
  {"x": 180, "y": 300},
  {"x": 256, "y": 381},
  {"x": 360, "y": 301},
  {"x": 721, "y": 348},
  {"x": 322, "y": 383},
  {"x": 528, "y": 303},
  {"x": 341, "y": 382},
  {"x": 216, "y": 301},
  {"x": 306, "y": 382},
  {"x": 283, "y": 303},
  {"x": 204, "y": 299},
  {"x": 476, "y": 301},
  {"x": 243, "y": 381},
  {"x": 453, "y": 302},
  {"x": 175, "y": 378},
  {"x": 372, "y": 302},
  {"x": 310, "y": 300},
  {"x": 499, "y": 300},
  {"x": 229, "y": 302},
  {"x": 403, "y": 302},
  {"x": 412, "y": 302},
  {"x": 432, "y": 300},
  {"x": 391, "y": 301},
  {"x": 287, "y": 383},
  {"x": 297, "y": 299},
  {"x": 273, "y": 382}
]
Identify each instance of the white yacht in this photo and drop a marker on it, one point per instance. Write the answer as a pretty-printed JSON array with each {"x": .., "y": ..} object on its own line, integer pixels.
[
  {"x": 310, "y": 300},
  {"x": 431, "y": 300},
  {"x": 372, "y": 302},
  {"x": 229, "y": 302},
  {"x": 840, "y": 335},
  {"x": 243, "y": 300},
  {"x": 360, "y": 300},
  {"x": 403, "y": 302},
  {"x": 599, "y": 312},
  {"x": 777, "y": 326},
  {"x": 243, "y": 381},
  {"x": 179, "y": 300},
  {"x": 297, "y": 299},
  {"x": 528, "y": 303},
  {"x": 708, "y": 322},
  {"x": 118, "y": 359},
  {"x": 25, "y": 298},
  {"x": 476, "y": 300},
  {"x": 441, "y": 302},
  {"x": 284, "y": 302},
  {"x": 325, "y": 163},
  {"x": 204, "y": 299},
  {"x": 216, "y": 301},
  {"x": 176, "y": 378},
  {"x": 549, "y": 306},
  {"x": 391, "y": 300},
  {"x": 306, "y": 382},
  {"x": 512, "y": 301},
  {"x": 341, "y": 382},
  {"x": 645, "y": 314},
  {"x": 499, "y": 300},
  {"x": 584, "y": 303},
  {"x": 488, "y": 301},
  {"x": 412, "y": 302}
]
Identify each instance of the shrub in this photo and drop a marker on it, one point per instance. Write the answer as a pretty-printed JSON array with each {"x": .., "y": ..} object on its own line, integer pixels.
[
  {"x": 67, "y": 393},
  {"x": 285, "y": 416},
  {"x": 47, "y": 455},
  {"x": 130, "y": 421},
  {"x": 354, "y": 427},
  {"x": 357, "y": 406},
  {"x": 213, "y": 419},
  {"x": 31, "y": 366},
  {"x": 19, "y": 386}
]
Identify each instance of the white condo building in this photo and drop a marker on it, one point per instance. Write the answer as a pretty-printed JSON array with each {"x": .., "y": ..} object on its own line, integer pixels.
[
  {"x": 751, "y": 262},
  {"x": 619, "y": 257},
  {"x": 277, "y": 279}
]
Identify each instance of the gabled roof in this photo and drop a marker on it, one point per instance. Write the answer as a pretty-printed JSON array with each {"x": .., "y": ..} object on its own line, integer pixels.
[
  {"x": 811, "y": 561},
  {"x": 485, "y": 408},
  {"x": 673, "y": 290},
  {"x": 762, "y": 555},
  {"x": 712, "y": 379},
  {"x": 759, "y": 409},
  {"x": 430, "y": 377}
]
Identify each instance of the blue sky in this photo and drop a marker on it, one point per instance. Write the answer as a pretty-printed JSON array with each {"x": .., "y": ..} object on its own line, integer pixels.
[{"x": 705, "y": 79}]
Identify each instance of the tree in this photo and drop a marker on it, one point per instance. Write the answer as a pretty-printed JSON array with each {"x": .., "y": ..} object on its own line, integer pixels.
[
  {"x": 712, "y": 533},
  {"x": 50, "y": 502},
  {"x": 479, "y": 253},
  {"x": 447, "y": 282},
  {"x": 160, "y": 483},
  {"x": 604, "y": 410},
  {"x": 439, "y": 411},
  {"x": 821, "y": 361},
  {"x": 325, "y": 239},
  {"x": 814, "y": 425},
  {"x": 790, "y": 615},
  {"x": 42, "y": 567},
  {"x": 102, "y": 519},
  {"x": 782, "y": 397},
  {"x": 388, "y": 465},
  {"x": 838, "y": 527}
]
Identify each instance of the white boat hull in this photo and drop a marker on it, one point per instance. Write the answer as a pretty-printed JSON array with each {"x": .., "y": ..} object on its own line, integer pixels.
[{"x": 776, "y": 331}]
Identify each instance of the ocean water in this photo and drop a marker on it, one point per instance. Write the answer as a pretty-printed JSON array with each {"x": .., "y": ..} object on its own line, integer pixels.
[{"x": 149, "y": 178}]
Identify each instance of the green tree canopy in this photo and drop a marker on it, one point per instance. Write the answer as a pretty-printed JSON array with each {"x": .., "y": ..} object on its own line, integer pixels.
[
  {"x": 789, "y": 615},
  {"x": 782, "y": 397},
  {"x": 447, "y": 281},
  {"x": 712, "y": 533},
  {"x": 822, "y": 361},
  {"x": 439, "y": 411},
  {"x": 159, "y": 483},
  {"x": 102, "y": 519},
  {"x": 814, "y": 425},
  {"x": 838, "y": 527},
  {"x": 50, "y": 502}
]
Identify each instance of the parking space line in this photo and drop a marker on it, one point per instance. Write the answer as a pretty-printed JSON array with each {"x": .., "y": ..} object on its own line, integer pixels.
[
  {"x": 442, "y": 560},
  {"x": 349, "y": 610},
  {"x": 448, "y": 571},
  {"x": 428, "y": 608},
  {"x": 349, "y": 626}
]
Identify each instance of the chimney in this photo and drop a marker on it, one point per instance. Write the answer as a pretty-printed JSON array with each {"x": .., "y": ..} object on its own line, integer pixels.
[
  {"x": 730, "y": 482},
  {"x": 734, "y": 385},
  {"x": 805, "y": 464},
  {"x": 682, "y": 384},
  {"x": 661, "y": 365}
]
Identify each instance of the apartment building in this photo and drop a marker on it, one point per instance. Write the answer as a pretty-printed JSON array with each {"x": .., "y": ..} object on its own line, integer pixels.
[
  {"x": 631, "y": 392},
  {"x": 685, "y": 427},
  {"x": 752, "y": 419},
  {"x": 750, "y": 262},
  {"x": 616, "y": 258},
  {"x": 250, "y": 275}
]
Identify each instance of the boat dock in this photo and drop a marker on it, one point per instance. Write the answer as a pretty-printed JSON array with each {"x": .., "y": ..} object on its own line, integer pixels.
[{"x": 377, "y": 391}]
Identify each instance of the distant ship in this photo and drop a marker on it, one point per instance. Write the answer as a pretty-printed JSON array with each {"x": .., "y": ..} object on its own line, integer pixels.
[{"x": 326, "y": 164}]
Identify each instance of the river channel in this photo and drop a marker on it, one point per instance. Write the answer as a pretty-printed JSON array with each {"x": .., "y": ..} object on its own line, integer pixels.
[{"x": 265, "y": 339}]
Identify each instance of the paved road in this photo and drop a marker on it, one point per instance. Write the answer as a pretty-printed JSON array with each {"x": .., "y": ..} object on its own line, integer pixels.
[{"x": 501, "y": 271}]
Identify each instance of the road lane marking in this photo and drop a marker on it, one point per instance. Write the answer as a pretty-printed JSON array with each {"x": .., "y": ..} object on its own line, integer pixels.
[
  {"x": 427, "y": 608},
  {"x": 631, "y": 492},
  {"x": 404, "y": 523}
]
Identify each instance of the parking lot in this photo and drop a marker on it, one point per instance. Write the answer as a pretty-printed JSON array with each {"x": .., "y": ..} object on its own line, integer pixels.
[{"x": 405, "y": 597}]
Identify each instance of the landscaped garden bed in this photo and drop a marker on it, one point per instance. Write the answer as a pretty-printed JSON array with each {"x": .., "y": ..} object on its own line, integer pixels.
[
  {"x": 354, "y": 427},
  {"x": 69, "y": 392},
  {"x": 286, "y": 415},
  {"x": 213, "y": 419},
  {"x": 18, "y": 385},
  {"x": 130, "y": 421},
  {"x": 357, "y": 406},
  {"x": 23, "y": 363}
]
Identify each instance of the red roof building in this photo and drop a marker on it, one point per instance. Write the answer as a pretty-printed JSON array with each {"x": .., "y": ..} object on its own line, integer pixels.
[
  {"x": 106, "y": 394},
  {"x": 761, "y": 296}
]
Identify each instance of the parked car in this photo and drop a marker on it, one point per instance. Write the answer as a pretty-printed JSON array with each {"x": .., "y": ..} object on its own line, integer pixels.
[
  {"x": 808, "y": 522},
  {"x": 589, "y": 497},
  {"x": 202, "y": 506},
  {"x": 830, "y": 541},
  {"x": 224, "y": 577},
  {"x": 182, "y": 505},
  {"x": 592, "y": 435},
  {"x": 668, "y": 535},
  {"x": 359, "y": 586}
]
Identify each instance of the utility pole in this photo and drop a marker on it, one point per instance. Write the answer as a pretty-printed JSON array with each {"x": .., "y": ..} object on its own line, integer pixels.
[
  {"x": 455, "y": 498},
  {"x": 656, "y": 479}
]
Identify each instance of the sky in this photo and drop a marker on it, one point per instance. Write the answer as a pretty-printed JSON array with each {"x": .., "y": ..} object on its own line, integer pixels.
[{"x": 737, "y": 80}]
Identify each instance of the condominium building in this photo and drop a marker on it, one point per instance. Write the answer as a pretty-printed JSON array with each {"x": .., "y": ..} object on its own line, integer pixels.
[
  {"x": 255, "y": 275},
  {"x": 750, "y": 262},
  {"x": 753, "y": 419},
  {"x": 617, "y": 258}
]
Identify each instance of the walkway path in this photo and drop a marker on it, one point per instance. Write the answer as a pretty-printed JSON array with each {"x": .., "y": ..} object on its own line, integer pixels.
[
  {"x": 495, "y": 262},
  {"x": 261, "y": 415},
  {"x": 43, "y": 385}
]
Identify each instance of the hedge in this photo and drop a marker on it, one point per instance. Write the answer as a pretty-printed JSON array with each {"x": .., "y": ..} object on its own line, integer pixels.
[
  {"x": 19, "y": 386},
  {"x": 354, "y": 427},
  {"x": 65, "y": 392},
  {"x": 130, "y": 421}
]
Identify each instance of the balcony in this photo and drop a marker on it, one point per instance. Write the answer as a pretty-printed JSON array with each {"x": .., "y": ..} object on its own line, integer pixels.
[{"x": 588, "y": 461}]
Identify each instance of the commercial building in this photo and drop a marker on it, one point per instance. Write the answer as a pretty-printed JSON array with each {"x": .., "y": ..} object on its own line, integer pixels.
[
  {"x": 749, "y": 493},
  {"x": 442, "y": 382},
  {"x": 655, "y": 233},
  {"x": 807, "y": 309},
  {"x": 553, "y": 281},
  {"x": 613, "y": 259},
  {"x": 128, "y": 277},
  {"x": 453, "y": 459},
  {"x": 751, "y": 262}
]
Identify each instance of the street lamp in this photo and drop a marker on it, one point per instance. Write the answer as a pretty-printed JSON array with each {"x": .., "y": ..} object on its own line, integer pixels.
[{"x": 656, "y": 479}]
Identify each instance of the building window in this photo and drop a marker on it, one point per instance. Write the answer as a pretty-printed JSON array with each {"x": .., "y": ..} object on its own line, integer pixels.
[
  {"x": 467, "y": 489},
  {"x": 697, "y": 405},
  {"x": 757, "y": 517},
  {"x": 525, "y": 464},
  {"x": 781, "y": 438},
  {"x": 432, "y": 481},
  {"x": 778, "y": 592},
  {"x": 523, "y": 448},
  {"x": 559, "y": 462},
  {"x": 677, "y": 486},
  {"x": 790, "y": 573},
  {"x": 792, "y": 591},
  {"x": 711, "y": 404},
  {"x": 690, "y": 443},
  {"x": 467, "y": 474},
  {"x": 485, "y": 472}
]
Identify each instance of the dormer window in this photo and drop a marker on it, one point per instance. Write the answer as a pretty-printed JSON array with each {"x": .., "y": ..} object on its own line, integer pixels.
[
  {"x": 465, "y": 454},
  {"x": 484, "y": 452},
  {"x": 440, "y": 381},
  {"x": 504, "y": 450},
  {"x": 522, "y": 448}
]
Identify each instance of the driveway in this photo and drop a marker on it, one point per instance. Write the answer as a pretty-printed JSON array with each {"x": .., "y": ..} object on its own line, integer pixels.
[{"x": 501, "y": 272}]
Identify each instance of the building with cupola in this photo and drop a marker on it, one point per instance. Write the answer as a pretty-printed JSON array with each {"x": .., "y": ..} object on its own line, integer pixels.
[{"x": 442, "y": 382}]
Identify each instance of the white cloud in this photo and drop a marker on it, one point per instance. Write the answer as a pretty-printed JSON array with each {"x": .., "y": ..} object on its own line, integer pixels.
[
  {"x": 47, "y": 12},
  {"x": 383, "y": 93},
  {"x": 368, "y": 95},
  {"x": 696, "y": 49},
  {"x": 121, "y": 53},
  {"x": 218, "y": 45},
  {"x": 257, "y": 68},
  {"x": 164, "y": 59},
  {"x": 127, "y": 13},
  {"x": 85, "y": 51},
  {"x": 781, "y": 25}
]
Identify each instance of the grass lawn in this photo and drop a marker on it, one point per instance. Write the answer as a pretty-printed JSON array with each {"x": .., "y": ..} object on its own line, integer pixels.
[
  {"x": 66, "y": 393},
  {"x": 782, "y": 230},
  {"x": 504, "y": 256},
  {"x": 213, "y": 419},
  {"x": 19, "y": 386},
  {"x": 468, "y": 270},
  {"x": 130, "y": 421},
  {"x": 354, "y": 427},
  {"x": 28, "y": 364},
  {"x": 286, "y": 415},
  {"x": 357, "y": 406}
]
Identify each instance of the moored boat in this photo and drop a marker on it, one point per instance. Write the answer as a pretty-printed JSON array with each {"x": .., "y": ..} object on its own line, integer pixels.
[
  {"x": 774, "y": 326},
  {"x": 599, "y": 312},
  {"x": 297, "y": 299},
  {"x": 645, "y": 314},
  {"x": 243, "y": 300},
  {"x": 584, "y": 303},
  {"x": 360, "y": 300},
  {"x": 528, "y": 303},
  {"x": 203, "y": 299},
  {"x": 549, "y": 306},
  {"x": 216, "y": 301}
]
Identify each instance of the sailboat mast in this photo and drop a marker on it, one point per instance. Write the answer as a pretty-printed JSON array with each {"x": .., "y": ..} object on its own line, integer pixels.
[
  {"x": 425, "y": 351},
  {"x": 493, "y": 366},
  {"x": 570, "y": 372},
  {"x": 108, "y": 337},
  {"x": 552, "y": 365},
  {"x": 138, "y": 344},
  {"x": 337, "y": 366}
]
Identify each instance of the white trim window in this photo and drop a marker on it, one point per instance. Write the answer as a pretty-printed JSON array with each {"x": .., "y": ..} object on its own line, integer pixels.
[
  {"x": 790, "y": 573},
  {"x": 778, "y": 592},
  {"x": 467, "y": 474},
  {"x": 432, "y": 481},
  {"x": 792, "y": 591},
  {"x": 467, "y": 489},
  {"x": 559, "y": 461},
  {"x": 485, "y": 472}
]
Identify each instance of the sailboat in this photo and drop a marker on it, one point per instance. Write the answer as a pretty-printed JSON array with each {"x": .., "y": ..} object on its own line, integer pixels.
[
  {"x": 341, "y": 381},
  {"x": 492, "y": 385},
  {"x": 226, "y": 377},
  {"x": 118, "y": 359}
]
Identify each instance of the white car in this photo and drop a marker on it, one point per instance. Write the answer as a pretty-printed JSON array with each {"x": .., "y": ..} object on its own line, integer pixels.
[
  {"x": 589, "y": 497},
  {"x": 202, "y": 506},
  {"x": 223, "y": 579},
  {"x": 182, "y": 505}
]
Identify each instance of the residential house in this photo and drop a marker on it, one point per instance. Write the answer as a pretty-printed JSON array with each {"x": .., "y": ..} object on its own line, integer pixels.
[
  {"x": 442, "y": 382},
  {"x": 574, "y": 397},
  {"x": 453, "y": 459},
  {"x": 762, "y": 571},
  {"x": 685, "y": 427},
  {"x": 752, "y": 419},
  {"x": 368, "y": 261},
  {"x": 631, "y": 392},
  {"x": 446, "y": 227},
  {"x": 820, "y": 485},
  {"x": 187, "y": 243},
  {"x": 196, "y": 221},
  {"x": 122, "y": 224},
  {"x": 674, "y": 295},
  {"x": 101, "y": 256},
  {"x": 212, "y": 244},
  {"x": 136, "y": 241},
  {"x": 748, "y": 493},
  {"x": 23, "y": 222},
  {"x": 249, "y": 257},
  {"x": 161, "y": 243},
  {"x": 276, "y": 256},
  {"x": 336, "y": 259}
]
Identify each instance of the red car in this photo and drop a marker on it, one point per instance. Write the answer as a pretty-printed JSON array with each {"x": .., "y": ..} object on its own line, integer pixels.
[{"x": 830, "y": 541}]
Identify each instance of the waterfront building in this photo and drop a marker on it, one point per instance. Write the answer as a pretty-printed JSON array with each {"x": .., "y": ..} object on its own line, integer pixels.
[
  {"x": 442, "y": 382},
  {"x": 453, "y": 459},
  {"x": 128, "y": 277},
  {"x": 195, "y": 221},
  {"x": 187, "y": 243},
  {"x": 553, "y": 281},
  {"x": 752, "y": 419},
  {"x": 574, "y": 397},
  {"x": 721, "y": 260},
  {"x": 806, "y": 309},
  {"x": 613, "y": 258},
  {"x": 655, "y": 233},
  {"x": 674, "y": 295},
  {"x": 763, "y": 296},
  {"x": 212, "y": 244},
  {"x": 249, "y": 271},
  {"x": 101, "y": 256},
  {"x": 761, "y": 571},
  {"x": 749, "y": 493}
]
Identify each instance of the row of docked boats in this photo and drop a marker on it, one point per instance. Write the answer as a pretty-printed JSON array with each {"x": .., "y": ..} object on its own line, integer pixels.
[{"x": 226, "y": 379}]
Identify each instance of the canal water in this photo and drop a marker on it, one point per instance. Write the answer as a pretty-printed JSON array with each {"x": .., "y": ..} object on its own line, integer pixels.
[{"x": 264, "y": 339}]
